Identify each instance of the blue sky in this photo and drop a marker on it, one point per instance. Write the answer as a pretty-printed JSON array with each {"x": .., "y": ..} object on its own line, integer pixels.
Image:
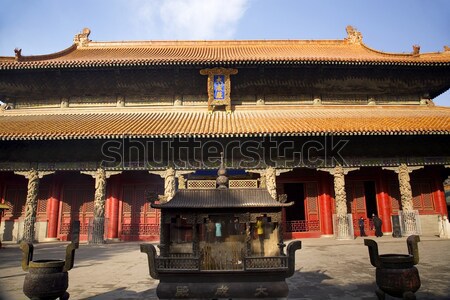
[{"x": 47, "y": 26}]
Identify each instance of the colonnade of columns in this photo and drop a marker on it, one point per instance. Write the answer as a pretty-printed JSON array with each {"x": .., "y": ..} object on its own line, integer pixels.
[{"x": 267, "y": 180}]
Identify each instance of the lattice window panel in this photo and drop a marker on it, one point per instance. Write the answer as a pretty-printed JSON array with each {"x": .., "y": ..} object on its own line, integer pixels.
[
  {"x": 77, "y": 204},
  {"x": 311, "y": 198},
  {"x": 360, "y": 199},
  {"x": 427, "y": 200},
  {"x": 66, "y": 207},
  {"x": 312, "y": 204},
  {"x": 42, "y": 206},
  {"x": 296, "y": 226},
  {"x": 89, "y": 206},
  {"x": 42, "y": 201},
  {"x": 201, "y": 184},
  {"x": 243, "y": 184},
  {"x": 422, "y": 196},
  {"x": 65, "y": 228},
  {"x": 126, "y": 207},
  {"x": 302, "y": 226},
  {"x": 417, "y": 202}
]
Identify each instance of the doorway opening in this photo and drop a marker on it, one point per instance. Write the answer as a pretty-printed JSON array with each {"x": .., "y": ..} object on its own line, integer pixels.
[
  {"x": 371, "y": 198},
  {"x": 295, "y": 192}
]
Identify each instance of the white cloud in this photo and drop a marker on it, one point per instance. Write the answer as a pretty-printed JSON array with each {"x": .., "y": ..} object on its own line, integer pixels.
[
  {"x": 143, "y": 15},
  {"x": 186, "y": 19}
]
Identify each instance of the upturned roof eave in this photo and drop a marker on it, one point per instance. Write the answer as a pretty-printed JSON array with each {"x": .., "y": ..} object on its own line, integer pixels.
[{"x": 168, "y": 63}]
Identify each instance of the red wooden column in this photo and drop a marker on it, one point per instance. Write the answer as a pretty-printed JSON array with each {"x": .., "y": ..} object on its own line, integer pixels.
[
  {"x": 53, "y": 210},
  {"x": 326, "y": 214},
  {"x": 439, "y": 196},
  {"x": 112, "y": 203},
  {"x": 384, "y": 202}
]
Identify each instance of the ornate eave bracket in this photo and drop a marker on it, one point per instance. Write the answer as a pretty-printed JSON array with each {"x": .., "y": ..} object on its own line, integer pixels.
[
  {"x": 30, "y": 174},
  {"x": 338, "y": 169},
  {"x": 94, "y": 174},
  {"x": 407, "y": 168},
  {"x": 219, "y": 87}
]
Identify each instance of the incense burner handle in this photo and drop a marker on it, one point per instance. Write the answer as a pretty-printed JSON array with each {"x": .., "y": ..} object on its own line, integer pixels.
[
  {"x": 70, "y": 256},
  {"x": 373, "y": 252},
  {"x": 151, "y": 256},
  {"x": 27, "y": 254},
  {"x": 291, "y": 248},
  {"x": 413, "y": 248}
]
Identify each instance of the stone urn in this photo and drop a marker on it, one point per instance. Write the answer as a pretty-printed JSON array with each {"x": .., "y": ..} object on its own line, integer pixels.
[
  {"x": 46, "y": 278},
  {"x": 396, "y": 274}
]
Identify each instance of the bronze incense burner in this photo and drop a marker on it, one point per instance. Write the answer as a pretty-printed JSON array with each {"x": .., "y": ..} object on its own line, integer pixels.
[
  {"x": 396, "y": 274},
  {"x": 47, "y": 278}
]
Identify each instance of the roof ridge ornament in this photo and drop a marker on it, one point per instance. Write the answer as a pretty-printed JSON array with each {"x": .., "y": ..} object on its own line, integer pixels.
[
  {"x": 17, "y": 54},
  {"x": 353, "y": 35},
  {"x": 82, "y": 39},
  {"x": 416, "y": 50}
]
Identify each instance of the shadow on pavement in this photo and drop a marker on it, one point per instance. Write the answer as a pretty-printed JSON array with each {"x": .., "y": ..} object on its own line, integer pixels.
[{"x": 123, "y": 293}]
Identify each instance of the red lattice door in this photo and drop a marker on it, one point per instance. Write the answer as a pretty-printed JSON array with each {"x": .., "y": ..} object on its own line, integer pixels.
[
  {"x": 139, "y": 220},
  {"x": 77, "y": 205},
  {"x": 312, "y": 207},
  {"x": 423, "y": 197},
  {"x": 356, "y": 200}
]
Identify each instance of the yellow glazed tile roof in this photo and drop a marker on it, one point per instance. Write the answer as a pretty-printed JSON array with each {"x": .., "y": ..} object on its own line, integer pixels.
[
  {"x": 351, "y": 50},
  {"x": 197, "y": 122}
]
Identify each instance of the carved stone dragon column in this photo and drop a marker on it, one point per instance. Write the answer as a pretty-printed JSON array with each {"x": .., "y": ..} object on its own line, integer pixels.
[
  {"x": 33, "y": 177},
  {"x": 405, "y": 188},
  {"x": 99, "y": 206},
  {"x": 408, "y": 215},
  {"x": 341, "y": 203},
  {"x": 100, "y": 176},
  {"x": 271, "y": 183},
  {"x": 169, "y": 183},
  {"x": 268, "y": 179},
  {"x": 343, "y": 220},
  {"x": 409, "y": 218}
]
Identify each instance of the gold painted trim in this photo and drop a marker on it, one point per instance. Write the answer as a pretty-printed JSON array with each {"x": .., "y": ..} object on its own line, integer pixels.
[{"x": 219, "y": 71}]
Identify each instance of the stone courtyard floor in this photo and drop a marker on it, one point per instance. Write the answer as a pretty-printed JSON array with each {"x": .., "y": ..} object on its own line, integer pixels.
[{"x": 325, "y": 269}]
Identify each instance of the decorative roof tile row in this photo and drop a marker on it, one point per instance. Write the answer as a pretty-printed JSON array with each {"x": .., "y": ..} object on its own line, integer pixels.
[
  {"x": 89, "y": 54},
  {"x": 277, "y": 121}
]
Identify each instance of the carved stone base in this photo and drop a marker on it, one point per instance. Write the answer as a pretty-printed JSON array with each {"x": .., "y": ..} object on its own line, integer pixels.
[{"x": 223, "y": 290}]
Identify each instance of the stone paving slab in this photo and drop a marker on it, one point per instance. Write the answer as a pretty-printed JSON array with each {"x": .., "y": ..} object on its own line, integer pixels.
[{"x": 325, "y": 269}]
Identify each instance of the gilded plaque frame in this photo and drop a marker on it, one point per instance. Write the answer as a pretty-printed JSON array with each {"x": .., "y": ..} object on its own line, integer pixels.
[{"x": 226, "y": 101}]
